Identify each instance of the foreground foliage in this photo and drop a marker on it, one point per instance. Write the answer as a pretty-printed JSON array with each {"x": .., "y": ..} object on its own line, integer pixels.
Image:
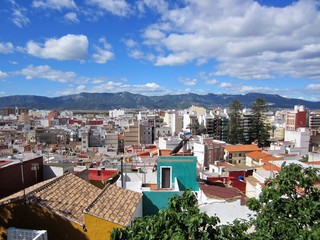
[
  {"x": 182, "y": 220},
  {"x": 288, "y": 208}
]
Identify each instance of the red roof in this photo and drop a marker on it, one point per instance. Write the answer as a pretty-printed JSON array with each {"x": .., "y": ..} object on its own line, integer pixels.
[
  {"x": 221, "y": 192},
  {"x": 101, "y": 175}
]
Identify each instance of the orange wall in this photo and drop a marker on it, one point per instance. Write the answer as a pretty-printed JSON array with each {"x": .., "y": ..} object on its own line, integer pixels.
[
  {"x": 31, "y": 216},
  {"x": 97, "y": 228}
]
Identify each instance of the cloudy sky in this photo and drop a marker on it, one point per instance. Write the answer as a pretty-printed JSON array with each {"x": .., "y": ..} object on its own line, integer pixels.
[{"x": 156, "y": 47}]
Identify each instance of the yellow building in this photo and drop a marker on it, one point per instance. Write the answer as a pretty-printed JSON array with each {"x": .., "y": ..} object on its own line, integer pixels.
[
  {"x": 197, "y": 110},
  {"x": 70, "y": 208}
]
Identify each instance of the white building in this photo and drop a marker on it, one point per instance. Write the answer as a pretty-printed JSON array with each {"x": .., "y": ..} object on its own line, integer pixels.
[
  {"x": 300, "y": 141},
  {"x": 174, "y": 121},
  {"x": 116, "y": 113}
]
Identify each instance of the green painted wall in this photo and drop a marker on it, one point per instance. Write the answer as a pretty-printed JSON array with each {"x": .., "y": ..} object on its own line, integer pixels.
[
  {"x": 184, "y": 168},
  {"x": 154, "y": 201}
]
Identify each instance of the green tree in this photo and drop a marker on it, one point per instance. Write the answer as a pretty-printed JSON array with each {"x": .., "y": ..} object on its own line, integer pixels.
[
  {"x": 289, "y": 206},
  {"x": 259, "y": 131},
  {"x": 182, "y": 220},
  {"x": 235, "y": 126}
]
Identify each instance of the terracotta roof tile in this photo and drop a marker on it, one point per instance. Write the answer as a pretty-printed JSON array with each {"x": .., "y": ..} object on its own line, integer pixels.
[
  {"x": 271, "y": 158},
  {"x": 68, "y": 196},
  {"x": 115, "y": 204},
  {"x": 313, "y": 163},
  {"x": 242, "y": 148},
  {"x": 221, "y": 192},
  {"x": 257, "y": 155}
]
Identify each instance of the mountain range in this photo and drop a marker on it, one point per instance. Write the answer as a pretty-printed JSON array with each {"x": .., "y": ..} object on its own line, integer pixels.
[{"x": 108, "y": 101}]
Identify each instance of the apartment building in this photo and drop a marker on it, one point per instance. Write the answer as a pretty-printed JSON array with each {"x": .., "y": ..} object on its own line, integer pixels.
[
  {"x": 174, "y": 121},
  {"x": 314, "y": 120},
  {"x": 297, "y": 118}
]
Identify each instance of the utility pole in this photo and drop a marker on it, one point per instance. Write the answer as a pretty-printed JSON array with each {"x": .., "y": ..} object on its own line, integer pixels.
[{"x": 22, "y": 179}]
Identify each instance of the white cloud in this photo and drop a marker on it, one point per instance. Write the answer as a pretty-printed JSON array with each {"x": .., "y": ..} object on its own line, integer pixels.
[
  {"x": 3, "y": 74},
  {"x": 118, "y": 86},
  {"x": 116, "y": 7},
  {"x": 81, "y": 88},
  {"x": 130, "y": 43},
  {"x": 211, "y": 81},
  {"x": 54, "y": 4},
  {"x": 225, "y": 85},
  {"x": 19, "y": 17},
  {"x": 152, "y": 86},
  {"x": 313, "y": 87},
  {"x": 103, "y": 54},
  {"x": 71, "y": 17},
  {"x": 248, "y": 89},
  {"x": 46, "y": 72},
  {"x": 188, "y": 81},
  {"x": 248, "y": 40},
  {"x": 173, "y": 59},
  {"x": 69, "y": 47},
  {"x": 156, "y": 5},
  {"x": 6, "y": 47}
]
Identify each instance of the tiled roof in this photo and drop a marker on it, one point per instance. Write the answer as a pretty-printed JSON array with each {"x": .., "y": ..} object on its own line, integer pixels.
[
  {"x": 242, "y": 148},
  {"x": 271, "y": 158},
  {"x": 220, "y": 192},
  {"x": 68, "y": 196},
  {"x": 256, "y": 155},
  {"x": 115, "y": 204}
]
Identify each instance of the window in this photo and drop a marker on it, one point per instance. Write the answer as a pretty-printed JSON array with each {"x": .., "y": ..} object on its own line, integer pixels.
[{"x": 165, "y": 177}]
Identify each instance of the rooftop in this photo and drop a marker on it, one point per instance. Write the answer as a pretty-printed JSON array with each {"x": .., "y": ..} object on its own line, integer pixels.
[
  {"x": 221, "y": 192},
  {"x": 115, "y": 204},
  {"x": 242, "y": 148},
  {"x": 257, "y": 155},
  {"x": 67, "y": 195}
]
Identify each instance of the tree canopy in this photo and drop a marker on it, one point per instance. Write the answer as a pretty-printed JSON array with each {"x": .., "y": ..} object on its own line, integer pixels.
[
  {"x": 235, "y": 125},
  {"x": 288, "y": 208},
  {"x": 259, "y": 131},
  {"x": 182, "y": 220}
]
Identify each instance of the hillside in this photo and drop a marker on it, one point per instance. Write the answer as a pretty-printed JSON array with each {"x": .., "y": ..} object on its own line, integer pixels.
[{"x": 107, "y": 101}]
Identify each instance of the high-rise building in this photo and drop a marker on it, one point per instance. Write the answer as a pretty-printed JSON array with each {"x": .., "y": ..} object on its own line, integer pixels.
[
  {"x": 297, "y": 118},
  {"x": 314, "y": 120}
]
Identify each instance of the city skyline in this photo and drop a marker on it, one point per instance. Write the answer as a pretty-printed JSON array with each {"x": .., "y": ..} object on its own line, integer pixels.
[{"x": 61, "y": 47}]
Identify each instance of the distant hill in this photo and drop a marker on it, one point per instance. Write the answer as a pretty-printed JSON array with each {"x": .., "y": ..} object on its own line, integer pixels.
[{"x": 107, "y": 101}]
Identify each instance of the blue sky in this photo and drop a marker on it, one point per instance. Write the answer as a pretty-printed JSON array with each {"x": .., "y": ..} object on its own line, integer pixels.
[{"x": 156, "y": 47}]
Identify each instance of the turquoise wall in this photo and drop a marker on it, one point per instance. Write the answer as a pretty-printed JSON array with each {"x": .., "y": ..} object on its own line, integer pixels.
[
  {"x": 154, "y": 201},
  {"x": 184, "y": 168}
]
